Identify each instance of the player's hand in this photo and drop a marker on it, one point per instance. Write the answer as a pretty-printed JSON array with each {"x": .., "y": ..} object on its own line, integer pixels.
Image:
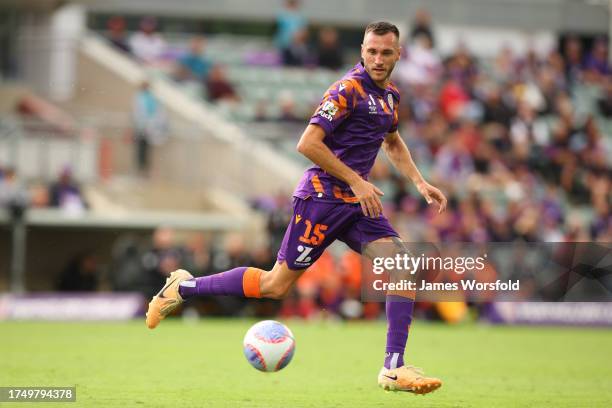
[
  {"x": 368, "y": 196},
  {"x": 432, "y": 194}
]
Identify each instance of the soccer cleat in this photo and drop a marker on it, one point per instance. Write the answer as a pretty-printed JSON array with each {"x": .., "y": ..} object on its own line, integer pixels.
[
  {"x": 167, "y": 299},
  {"x": 407, "y": 378}
]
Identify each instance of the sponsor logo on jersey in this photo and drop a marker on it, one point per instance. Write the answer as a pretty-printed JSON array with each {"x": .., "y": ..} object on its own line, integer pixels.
[
  {"x": 328, "y": 110},
  {"x": 372, "y": 105}
]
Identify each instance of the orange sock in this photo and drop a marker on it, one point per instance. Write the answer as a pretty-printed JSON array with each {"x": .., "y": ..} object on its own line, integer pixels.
[{"x": 250, "y": 282}]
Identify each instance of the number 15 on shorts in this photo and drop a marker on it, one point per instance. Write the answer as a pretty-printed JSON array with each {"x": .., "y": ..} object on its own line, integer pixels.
[{"x": 313, "y": 236}]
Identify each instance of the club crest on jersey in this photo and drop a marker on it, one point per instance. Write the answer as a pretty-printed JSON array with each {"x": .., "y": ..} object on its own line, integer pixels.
[
  {"x": 390, "y": 100},
  {"x": 328, "y": 110}
]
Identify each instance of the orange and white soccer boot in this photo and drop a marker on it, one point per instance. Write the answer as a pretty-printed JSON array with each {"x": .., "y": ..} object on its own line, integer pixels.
[
  {"x": 167, "y": 299},
  {"x": 407, "y": 378}
]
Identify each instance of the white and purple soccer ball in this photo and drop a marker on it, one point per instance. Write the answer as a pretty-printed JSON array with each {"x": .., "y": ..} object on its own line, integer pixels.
[{"x": 269, "y": 346}]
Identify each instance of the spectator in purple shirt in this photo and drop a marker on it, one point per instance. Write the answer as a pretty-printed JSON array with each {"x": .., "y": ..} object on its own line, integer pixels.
[
  {"x": 596, "y": 65},
  {"x": 66, "y": 194}
]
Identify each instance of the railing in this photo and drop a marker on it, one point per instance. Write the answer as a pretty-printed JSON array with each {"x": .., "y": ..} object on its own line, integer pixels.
[
  {"x": 101, "y": 147},
  {"x": 38, "y": 151}
]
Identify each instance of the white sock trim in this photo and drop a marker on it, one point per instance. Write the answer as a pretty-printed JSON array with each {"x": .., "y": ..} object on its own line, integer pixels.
[
  {"x": 393, "y": 362},
  {"x": 188, "y": 283}
]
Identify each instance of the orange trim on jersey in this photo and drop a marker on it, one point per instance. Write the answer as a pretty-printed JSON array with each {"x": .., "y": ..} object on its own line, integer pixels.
[
  {"x": 356, "y": 84},
  {"x": 316, "y": 183},
  {"x": 344, "y": 196},
  {"x": 384, "y": 105},
  {"x": 250, "y": 282},
  {"x": 348, "y": 87}
]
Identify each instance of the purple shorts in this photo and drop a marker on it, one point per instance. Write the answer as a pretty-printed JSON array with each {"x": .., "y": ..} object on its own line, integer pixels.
[{"x": 315, "y": 225}]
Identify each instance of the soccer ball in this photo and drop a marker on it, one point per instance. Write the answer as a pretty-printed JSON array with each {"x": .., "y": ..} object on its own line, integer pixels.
[{"x": 269, "y": 346}]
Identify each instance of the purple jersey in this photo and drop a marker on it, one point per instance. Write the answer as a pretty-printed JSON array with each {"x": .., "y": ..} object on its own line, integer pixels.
[{"x": 356, "y": 115}]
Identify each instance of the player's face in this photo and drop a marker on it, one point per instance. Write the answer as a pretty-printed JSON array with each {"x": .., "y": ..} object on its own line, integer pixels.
[{"x": 379, "y": 54}]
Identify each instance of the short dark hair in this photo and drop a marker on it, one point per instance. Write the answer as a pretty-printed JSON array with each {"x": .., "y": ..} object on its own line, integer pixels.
[{"x": 382, "y": 28}]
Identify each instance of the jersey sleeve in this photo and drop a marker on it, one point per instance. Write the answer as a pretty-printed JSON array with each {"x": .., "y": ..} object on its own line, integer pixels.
[{"x": 335, "y": 106}]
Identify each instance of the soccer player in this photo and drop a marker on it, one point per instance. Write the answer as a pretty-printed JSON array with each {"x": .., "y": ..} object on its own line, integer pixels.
[{"x": 334, "y": 200}]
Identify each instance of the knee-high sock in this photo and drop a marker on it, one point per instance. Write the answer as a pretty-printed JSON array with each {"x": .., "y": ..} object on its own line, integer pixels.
[
  {"x": 242, "y": 281},
  {"x": 399, "y": 317}
]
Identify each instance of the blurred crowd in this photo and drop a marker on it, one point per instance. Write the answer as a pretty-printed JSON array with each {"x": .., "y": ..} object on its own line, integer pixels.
[
  {"x": 63, "y": 193},
  {"x": 148, "y": 46},
  {"x": 292, "y": 40},
  {"x": 294, "y": 48},
  {"x": 506, "y": 141}
]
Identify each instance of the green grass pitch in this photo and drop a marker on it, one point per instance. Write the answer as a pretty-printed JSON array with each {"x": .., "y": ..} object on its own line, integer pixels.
[{"x": 335, "y": 365}]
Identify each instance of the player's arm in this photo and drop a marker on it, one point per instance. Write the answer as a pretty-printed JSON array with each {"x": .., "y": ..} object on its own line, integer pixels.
[
  {"x": 400, "y": 156},
  {"x": 311, "y": 145}
]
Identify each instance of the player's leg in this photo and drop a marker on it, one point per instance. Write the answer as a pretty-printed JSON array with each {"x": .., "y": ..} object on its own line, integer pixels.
[
  {"x": 399, "y": 306},
  {"x": 377, "y": 238},
  {"x": 313, "y": 227},
  {"x": 242, "y": 282}
]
